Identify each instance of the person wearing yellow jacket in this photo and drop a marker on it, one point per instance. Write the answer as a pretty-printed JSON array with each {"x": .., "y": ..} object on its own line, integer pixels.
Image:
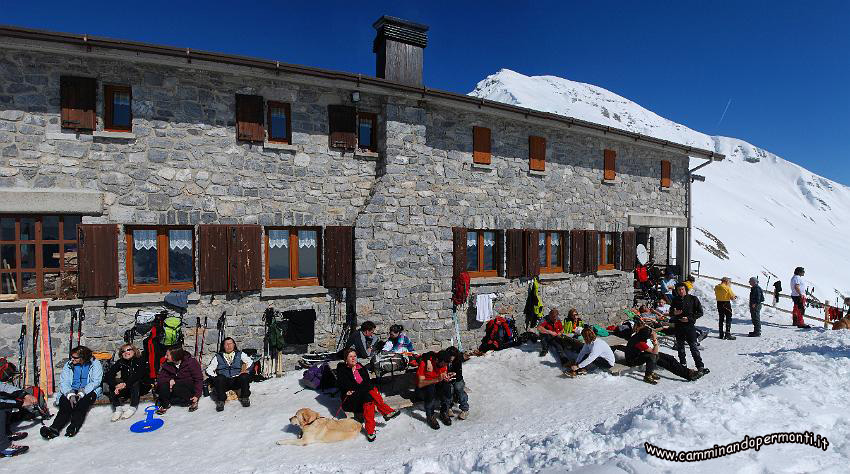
[{"x": 724, "y": 294}]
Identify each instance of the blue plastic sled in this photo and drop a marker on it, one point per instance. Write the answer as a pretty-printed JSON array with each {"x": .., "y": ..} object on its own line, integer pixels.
[{"x": 148, "y": 424}]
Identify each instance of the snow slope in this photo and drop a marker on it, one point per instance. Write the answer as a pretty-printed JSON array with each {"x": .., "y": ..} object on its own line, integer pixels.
[
  {"x": 524, "y": 418},
  {"x": 756, "y": 213}
]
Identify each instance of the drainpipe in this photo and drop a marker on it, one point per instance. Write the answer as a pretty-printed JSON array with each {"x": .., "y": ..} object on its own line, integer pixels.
[{"x": 687, "y": 263}]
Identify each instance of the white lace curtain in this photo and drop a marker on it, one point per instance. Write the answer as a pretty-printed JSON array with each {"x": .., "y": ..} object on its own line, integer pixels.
[
  {"x": 489, "y": 239},
  {"x": 144, "y": 239},
  {"x": 279, "y": 239},
  {"x": 180, "y": 239},
  {"x": 307, "y": 239}
]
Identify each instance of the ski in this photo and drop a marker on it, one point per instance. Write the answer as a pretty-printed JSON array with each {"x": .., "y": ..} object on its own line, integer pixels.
[
  {"x": 22, "y": 354},
  {"x": 35, "y": 363},
  {"x": 197, "y": 330},
  {"x": 203, "y": 340},
  {"x": 80, "y": 318},
  {"x": 71, "y": 334},
  {"x": 46, "y": 363},
  {"x": 220, "y": 325}
]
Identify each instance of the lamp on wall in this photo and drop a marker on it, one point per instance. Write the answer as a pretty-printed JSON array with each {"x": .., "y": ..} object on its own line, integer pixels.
[{"x": 355, "y": 96}]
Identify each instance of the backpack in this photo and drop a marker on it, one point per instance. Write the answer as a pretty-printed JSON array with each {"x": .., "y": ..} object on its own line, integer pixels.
[
  {"x": 319, "y": 377},
  {"x": 7, "y": 370},
  {"x": 499, "y": 333},
  {"x": 172, "y": 331}
]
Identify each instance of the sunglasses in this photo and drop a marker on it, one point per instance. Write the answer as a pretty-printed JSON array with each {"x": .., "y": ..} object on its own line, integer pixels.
[
  {"x": 127, "y": 350},
  {"x": 75, "y": 357}
]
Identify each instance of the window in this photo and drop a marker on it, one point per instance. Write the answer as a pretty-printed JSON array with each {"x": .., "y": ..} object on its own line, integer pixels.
[
  {"x": 342, "y": 127},
  {"x": 481, "y": 256},
  {"x": 77, "y": 100},
  {"x": 117, "y": 113},
  {"x": 481, "y": 145},
  {"x": 610, "y": 165},
  {"x": 606, "y": 250},
  {"x": 38, "y": 256},
  {"x": 292, "y": 256},
  {"x": 665, "y": 174},
  {"x": 280, "y": 129},
  {"x": 249, "y": 118},
  {"x": 550, "y": 252},
  {"x": 536, "y": 153},
  {"x": 367, "y": 127},
  {"x": 160, "y": 259}
]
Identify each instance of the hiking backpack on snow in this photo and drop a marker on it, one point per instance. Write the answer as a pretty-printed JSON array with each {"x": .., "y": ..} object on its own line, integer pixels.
[{"x": 319, "y": 377}]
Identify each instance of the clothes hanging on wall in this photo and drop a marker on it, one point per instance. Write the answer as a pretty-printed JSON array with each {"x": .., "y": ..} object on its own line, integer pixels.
[
  {"x": 301, "y": 326},
  {"x": 533, "y": 305},
  {"x": 484, "y": 307}
]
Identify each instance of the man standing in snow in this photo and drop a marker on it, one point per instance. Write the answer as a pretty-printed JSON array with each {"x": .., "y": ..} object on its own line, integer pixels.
[
  {"x": 798, "y": 295},
  {"x": 756, "y": 300},
  {"x": 685, "y": 310},
  {"x": 724, "y": 294}
]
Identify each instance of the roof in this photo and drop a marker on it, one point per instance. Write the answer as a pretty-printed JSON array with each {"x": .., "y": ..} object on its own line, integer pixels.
[{"x": 87, "y": 41}]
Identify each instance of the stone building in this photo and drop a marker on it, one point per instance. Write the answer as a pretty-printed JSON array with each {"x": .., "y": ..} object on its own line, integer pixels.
[{"x": 128, "y": 170}]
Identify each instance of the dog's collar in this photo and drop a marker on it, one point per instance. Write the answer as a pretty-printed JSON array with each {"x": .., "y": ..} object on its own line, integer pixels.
[{"x": 317, "y": 418}]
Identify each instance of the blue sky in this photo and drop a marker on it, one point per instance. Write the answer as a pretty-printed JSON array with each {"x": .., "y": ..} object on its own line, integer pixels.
[{"x": 783, "y": 64}]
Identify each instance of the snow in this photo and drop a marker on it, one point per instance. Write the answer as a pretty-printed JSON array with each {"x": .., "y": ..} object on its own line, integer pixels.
[
  {"x": 524, "y": 418},
  {"x": 769, "y": 214}
]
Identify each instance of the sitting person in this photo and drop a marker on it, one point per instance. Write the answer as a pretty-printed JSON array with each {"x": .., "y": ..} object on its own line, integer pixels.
[
  {"x": 638, "y": 351},
  {"x": 550, "y": 330},
  {"x": 228, "y": 370},
  {"x": 364, "y": 340},
  {"x": 358, "y": 392},
  {"x": 626, "y": 329},
  {"x": 433, "y": 381},
  {"x": 180, "y": 381},
  {"x": 133, "y": 382},
  {"x": 79, "y": 386},
  {"x": 12, "y": 398},
  {"x": 458, "y": 385},
  {"x": 398, "y": 341},
  {"x": 572, "y": 323},
  {"x": 595, "y": 351},
  {"x": 662, "y": 310}
]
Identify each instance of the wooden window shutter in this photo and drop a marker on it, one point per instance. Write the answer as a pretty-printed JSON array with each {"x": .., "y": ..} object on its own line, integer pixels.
[
  {"x": 212, "y": 256},
  {"x": 532, "y": 256},
  {"x": 481, "y": 145},
  {"x": 629, "y": 250},
  {"x": 458, "y": 250},
  {"x": 339, "y": 257},
  {"x": 537, "y": 153},
  {"x": 515, "y": 253},
  {"x": 246, "y": 272},
  {"x": 500, "y": 252},
  {"x": 610, "y": 165},
  {"x": 591, "y": 250},
  {"x": 97, "y": 260},
  {"x": 576, "y": 251},
  {"x": 77, "y": 101},
  {"x": 618, "y": 250},
  {"x": 249, "y": 118},
  {"x": 665, "y": 174},
  {"x": 342, "y": 125}
]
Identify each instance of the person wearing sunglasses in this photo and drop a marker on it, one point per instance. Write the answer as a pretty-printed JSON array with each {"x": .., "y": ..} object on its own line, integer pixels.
[
  {"x": 127, "y": 379},
  {"x": 79, "y": 386}
]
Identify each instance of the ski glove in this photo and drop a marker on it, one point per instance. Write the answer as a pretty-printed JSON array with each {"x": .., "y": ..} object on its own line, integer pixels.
[{"x": 74, "y": 397}]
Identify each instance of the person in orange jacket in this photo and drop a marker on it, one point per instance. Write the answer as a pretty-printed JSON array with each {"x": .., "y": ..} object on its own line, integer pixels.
[{"x": 724, "y": 294}]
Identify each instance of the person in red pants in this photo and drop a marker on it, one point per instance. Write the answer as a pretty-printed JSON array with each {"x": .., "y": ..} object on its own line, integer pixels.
[{"x": 359, "y": 394}]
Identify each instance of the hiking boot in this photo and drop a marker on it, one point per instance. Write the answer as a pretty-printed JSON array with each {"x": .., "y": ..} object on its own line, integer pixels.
[
  {"x": 650, "y": 380},
  {"x": 219, "y": 405},
  {"x": 389, "y": 416},
  {"x": 246, "y": 402},
  {"x": 48, "y": 432},
  {"x": 432, "y": 422},
  {"x": 754, "y": 334},
  {"x": 542, "y": 353},
  {"x": 162, "y": 409},
  {"x": 18, "y": 435},
  {"x": 193, "y": 407},
  {"x": 370, "y": 437},
  {"x": 694, "y": 374},
  {"x": 655, "y": 376},
  {"x": 730, "y": 337},
  {"x": 462, "y": 415},
  {"x": 704, "y": 370},
  {"x": 72, "y": 431},
  {"x": 116, "y": 415},
  {"x": 721, "y": 336},
  {"x": 445, "y": 418},
  {"x": 804, "y": 326},
  {"x": 13, "y": 450},
  {"x": 128, "y": 413}
]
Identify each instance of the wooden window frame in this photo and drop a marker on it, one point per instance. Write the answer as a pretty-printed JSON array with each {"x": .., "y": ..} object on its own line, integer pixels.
[
  {"x": 293, "y": 258},
  {"x": 609, "y": 167},
  {"x": 39, "y": 270},
  {"x": 603, "y": 239},
  {"x": 109, "y": 91},
  {"x": 271, "y": 104},
  {"x": 480, "y": 237},
  {"x": 549, "y": 268},
  {"x": 482, "y": 145},
  {"x": 372, "y": 117},
  {"x": 163, "y": 285},
  {"x": 665, "y": 174}
]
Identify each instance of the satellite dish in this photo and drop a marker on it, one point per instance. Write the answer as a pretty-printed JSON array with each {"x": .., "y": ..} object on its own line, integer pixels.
[{"x": 642, "y": 254}]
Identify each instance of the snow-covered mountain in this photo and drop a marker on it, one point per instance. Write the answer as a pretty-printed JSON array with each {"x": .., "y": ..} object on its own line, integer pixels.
[{"x": 756, "y": 213}]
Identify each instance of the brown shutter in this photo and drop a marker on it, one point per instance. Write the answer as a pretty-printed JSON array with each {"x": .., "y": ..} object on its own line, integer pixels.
[
  {"x": 342, "y": 125},
  {"x": 481, "y": 145},
  {"x": 245, "y": 266},
  {"x": 532, "y": 256},
  {"x": 618, "y": 249},
  {"x": 665, "y": 174},
  {"x": 515, "y": 245},
  {"x": 537, "y": 153},
  {"x": 629, "y": 250},
  {"x": 458, "y": 250},
  {"x": 591, "y": 251},
  {"x": 577, "y": 251},
  {"x": 78, "y": 99},
  {"x": 610, "y": 164},
  {"x": 97, "y": 260},
  {"x": 249, "y": 118},
  {"x": 339, "y": 257},
  {"x": 500, "y": 252},
  {"x": 212, "y": 242}
]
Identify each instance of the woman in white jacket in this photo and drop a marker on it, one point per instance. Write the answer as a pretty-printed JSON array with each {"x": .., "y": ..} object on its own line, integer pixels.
[{"x": 595, "y": 351}]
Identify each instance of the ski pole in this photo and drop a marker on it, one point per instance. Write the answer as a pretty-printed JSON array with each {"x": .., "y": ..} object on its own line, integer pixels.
[
  {"x": 197, "y": 328},
  {"x": 80, "y": 320},
  {"x": 71, "y": 334},
  {"x": 21, "y": 354}
]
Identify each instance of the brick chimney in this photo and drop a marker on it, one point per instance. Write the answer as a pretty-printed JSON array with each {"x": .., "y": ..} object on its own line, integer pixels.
[{"x": 399, "y": 46}]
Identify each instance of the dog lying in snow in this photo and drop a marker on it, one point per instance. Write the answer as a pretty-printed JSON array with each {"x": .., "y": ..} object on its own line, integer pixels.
[
  {"x": 318, "y": 429},
  {"x": 843, "y": 323}
]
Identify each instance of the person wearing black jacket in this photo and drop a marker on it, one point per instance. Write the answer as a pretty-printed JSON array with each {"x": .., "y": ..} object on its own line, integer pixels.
[
  {"x": 685, "y": 310},
  {"x": 133, "y": 381},
  {"x": 756, "y": 300},
  {"x": 458, "y": 385},
  {"x": 359, "y": 393},
  {"x": 364, "y": 340},
  {"x": 638, "y": 351},
  {"x": 12, "y": 398}
]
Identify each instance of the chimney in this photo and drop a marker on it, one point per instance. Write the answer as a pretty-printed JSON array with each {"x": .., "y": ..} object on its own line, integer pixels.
[{"x": 398, "y": 47}]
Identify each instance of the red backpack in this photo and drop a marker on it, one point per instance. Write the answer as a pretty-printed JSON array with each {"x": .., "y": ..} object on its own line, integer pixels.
[
  {"x": 461, "y": 289},
  {"x": 498, "y": 332},
  {"x": 7, "y": 370}
]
